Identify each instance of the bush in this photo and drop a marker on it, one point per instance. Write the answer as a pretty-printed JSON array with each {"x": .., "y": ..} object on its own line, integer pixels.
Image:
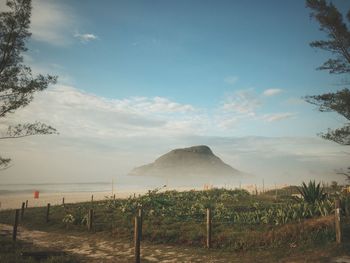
[{"x": 312, "y": 192}]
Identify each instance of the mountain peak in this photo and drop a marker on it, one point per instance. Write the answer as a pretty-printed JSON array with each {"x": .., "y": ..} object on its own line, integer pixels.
[
  {"x": 195, "y": 149},
  {"x": 192, "y": 161}
]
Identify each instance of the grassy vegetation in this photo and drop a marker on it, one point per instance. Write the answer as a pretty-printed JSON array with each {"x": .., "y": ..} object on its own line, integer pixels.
[
  {"x": 240, "y": 221},
  {"x": 312, "y": 192}
]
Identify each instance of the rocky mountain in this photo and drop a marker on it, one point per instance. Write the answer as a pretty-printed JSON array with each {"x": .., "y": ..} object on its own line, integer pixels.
[{"x": 193, "y": 161}]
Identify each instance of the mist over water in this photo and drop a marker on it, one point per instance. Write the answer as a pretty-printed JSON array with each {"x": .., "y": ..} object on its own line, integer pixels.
[
  {"x": 137, "y": 184},
  {"x": 126, "y": 183},
  {"x": 274, "y": 160}
]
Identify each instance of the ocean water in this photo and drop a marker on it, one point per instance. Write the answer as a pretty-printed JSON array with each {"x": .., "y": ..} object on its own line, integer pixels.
[
  {"x": 56, "y": 187},
  {"x": 123, "y": 184},
  {"x": 120, "y": 183}
]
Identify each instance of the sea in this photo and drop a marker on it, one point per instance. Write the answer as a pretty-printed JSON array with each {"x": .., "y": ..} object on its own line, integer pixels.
[
  {"x": 121, "y": 184},
  {"x": 56, "y": 187},
  {"x": 76, "y": 187},
  {"x": 137, "y": 184}
]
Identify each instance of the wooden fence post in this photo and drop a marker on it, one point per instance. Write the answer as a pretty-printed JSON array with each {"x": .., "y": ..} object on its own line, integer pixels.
[
  {"x": 26, "y": 203},
  {"x": 48, "y": 213},
  {"x": 63, "y": 201},
  {"x": 92, "y": 198},
  {"x": 90, "y": 219},
  {"x": 15, "y": 225},
  {"x": 140, "y": 214},
  {"x": 22, "y": 210},
  {"x": 209, "y": 228},
  {"x": 338, "y": 236},
  {"x": 137, "y": 238}
]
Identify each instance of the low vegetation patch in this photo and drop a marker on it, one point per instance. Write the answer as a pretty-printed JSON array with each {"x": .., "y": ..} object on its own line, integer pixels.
[{"x": 240, "y": 221}]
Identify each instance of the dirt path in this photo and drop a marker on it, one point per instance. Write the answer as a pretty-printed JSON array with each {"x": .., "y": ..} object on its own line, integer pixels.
[{"x": 99, "y": 248}]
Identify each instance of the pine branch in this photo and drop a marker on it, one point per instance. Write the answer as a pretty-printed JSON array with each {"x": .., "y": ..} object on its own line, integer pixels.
[{"x": 28, "y": 129}]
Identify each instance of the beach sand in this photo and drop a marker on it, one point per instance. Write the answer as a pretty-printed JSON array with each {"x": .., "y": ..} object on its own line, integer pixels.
[{"x": 13, "y": 201}]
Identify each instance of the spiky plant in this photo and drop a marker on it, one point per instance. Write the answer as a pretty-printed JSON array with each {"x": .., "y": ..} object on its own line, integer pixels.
[{"x": 312, "y": 192}]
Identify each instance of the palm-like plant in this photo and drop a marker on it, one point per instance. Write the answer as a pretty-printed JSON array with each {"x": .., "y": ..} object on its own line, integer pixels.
[{"x": 312, "y": 192}]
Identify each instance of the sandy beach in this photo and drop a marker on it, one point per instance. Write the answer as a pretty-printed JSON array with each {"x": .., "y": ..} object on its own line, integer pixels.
[{"x": 13, "y": 201}]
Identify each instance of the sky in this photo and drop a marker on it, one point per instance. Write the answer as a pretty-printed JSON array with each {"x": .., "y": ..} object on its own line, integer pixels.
[{"x": 139, "y": 78}]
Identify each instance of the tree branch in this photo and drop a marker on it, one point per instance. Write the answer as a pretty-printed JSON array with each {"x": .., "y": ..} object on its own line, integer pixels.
[
  {"x": 28, "y": 129},
  {"x": 4, "y": 163}
]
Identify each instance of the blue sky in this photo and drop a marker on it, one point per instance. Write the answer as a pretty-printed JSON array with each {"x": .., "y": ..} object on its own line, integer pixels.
[
  {"x": 192, "y": 52},
  {"x": 179, "y": 69}
]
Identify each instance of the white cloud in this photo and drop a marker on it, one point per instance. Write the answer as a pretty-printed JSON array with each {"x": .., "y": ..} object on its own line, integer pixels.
[
  {"x": 231, "y": 80},
  {"x": 157, "y": 105},
  {"x": 40, "y": 67},
  {"x": 111, "y": 136},
  {"x": 241, "y": 105},
  {"x": 242, "y": 102},
  {"x": 228, "y": 122},
  {"x": 52, "y": 22},
  {"x": 79, "y": 114},
  {"x": 85, "y": 37},
  {"x": 278, "y": 116},
  {"x": 244, "y": 105},
  {"x": 272, "y": 92}
]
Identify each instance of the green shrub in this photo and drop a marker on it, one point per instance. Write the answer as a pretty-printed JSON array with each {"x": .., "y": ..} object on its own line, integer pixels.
[{"x": 312, "y": 192}]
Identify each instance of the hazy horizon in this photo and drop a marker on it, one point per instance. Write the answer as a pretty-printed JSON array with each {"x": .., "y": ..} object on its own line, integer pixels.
[{"x": 276, "y": 160}]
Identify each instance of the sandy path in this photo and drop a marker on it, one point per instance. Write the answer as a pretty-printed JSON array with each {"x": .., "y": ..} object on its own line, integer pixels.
[
  {"x": 96, "y": 248},
  {"x": 99, "y": 248}
]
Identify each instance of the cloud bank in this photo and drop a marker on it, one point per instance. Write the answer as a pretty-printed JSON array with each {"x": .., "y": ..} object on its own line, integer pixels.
[
  {"x": 76, "y": 113},
  {"x": 101, "y": 138},
  {"x": 278, "y": 116}
]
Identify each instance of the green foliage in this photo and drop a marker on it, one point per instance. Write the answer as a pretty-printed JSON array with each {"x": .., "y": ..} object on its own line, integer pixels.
[
  {"x": 335, "y": 102},
  {"x": 241, "y": 221},
  {"x": 178, "y": 217},
  {"x": 312, "y": 192},
  {"x": 229, "y": 206},
  {"x": 68, "y": 219},
  {"x": 338, "y": 44},
  {"x": 76, "y": 216},
  {"x": 17, "y": 83}
]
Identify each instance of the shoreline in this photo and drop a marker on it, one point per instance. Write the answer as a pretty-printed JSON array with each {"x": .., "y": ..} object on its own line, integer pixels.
[{"x": 14, "y": 200}]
